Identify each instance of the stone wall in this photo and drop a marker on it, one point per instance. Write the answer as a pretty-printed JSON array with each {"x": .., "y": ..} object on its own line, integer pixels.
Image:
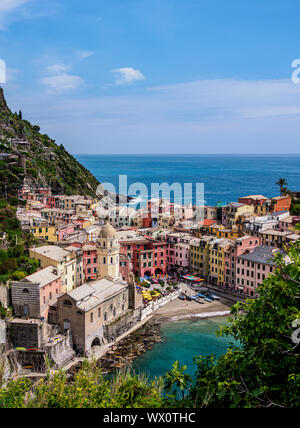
[
  {"x": 61, "y": 350},
  {"x": 29, "y": 333},
  {"x": 28, "y": 294},
  {"x": 118, "y": 327},
  {"x": 2, "y": 332},
  {"x": 4, "y": 295}
]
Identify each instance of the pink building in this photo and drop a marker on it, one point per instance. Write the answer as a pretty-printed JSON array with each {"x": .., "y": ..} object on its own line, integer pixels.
[
  {"x": 64, "y": 231},
  {"x": 178, "y": 251},
  {"x": 288, "y": 223},
  {"x": 240, "y": 246},
  {"x": 32, "y": 296},
  {"x": 125, "y": 266},
  {"x": 90, "y": 262},
  {"x": 253, "y": 268}
]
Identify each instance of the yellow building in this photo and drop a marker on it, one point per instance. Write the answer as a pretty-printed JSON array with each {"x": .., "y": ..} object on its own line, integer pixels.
[
  {"x": 216, "y": 252},
  {"x": 45, "y": 232},
  {"x": 199, "y": 256},
  {"x": 222, "y": 232},
  {"x": 232, "y": 212},
  {"x": 228, "y": 233},
  {"x": 262, "y": 210},
  {"x": 275, "y": 238},
  {"x": 64, "y": 261}
]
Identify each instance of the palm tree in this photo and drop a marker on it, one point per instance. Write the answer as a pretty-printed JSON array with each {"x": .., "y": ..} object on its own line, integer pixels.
[
  {"x": 297, "y": 226},
  {"x": 177, "y": 377},
  {"x": 282, "y": 183}
]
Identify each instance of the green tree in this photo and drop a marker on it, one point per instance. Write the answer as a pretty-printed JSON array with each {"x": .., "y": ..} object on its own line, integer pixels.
[
  {"x": 177, "y": 378},
  {"x": 282, "y": 183},
  {"x": 263, "y": 370}
]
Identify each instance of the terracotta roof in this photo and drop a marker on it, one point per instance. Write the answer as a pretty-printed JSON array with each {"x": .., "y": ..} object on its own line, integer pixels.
[{"x": 208, "y": 222}]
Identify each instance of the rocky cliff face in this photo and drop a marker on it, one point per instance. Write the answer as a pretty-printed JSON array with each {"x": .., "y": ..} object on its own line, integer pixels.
[
  {"x": 36, "y": 158},
  {"x": 3, "y": 105}
]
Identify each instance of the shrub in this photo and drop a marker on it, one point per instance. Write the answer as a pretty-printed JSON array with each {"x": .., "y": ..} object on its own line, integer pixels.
[{"x": 18, "y": 275}]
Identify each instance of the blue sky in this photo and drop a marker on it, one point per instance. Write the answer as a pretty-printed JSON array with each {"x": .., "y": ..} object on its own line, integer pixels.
[{"x": 156, "y": 76}]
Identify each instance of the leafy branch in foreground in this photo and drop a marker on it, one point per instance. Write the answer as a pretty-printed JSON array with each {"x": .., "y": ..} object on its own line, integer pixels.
[{"x": 263, "y": 369}]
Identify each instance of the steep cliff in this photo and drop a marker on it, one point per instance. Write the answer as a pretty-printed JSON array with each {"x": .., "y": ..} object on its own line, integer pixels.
[{"x": 27, "y": 154}]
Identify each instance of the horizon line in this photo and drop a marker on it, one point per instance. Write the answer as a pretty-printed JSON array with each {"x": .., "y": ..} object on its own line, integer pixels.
[{"x": 187, "y": 154}]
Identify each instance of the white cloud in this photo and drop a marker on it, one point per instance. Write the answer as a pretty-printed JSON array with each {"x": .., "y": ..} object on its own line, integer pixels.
[
  {"x": 205, "y": 116},
  {"x": 62, "y": 82},
  {"x": 57, "y": 68},
  {"x": 8, "y": 6},
  {"x": 85, "y": 54},
  {"x": 58, "y": 79},
  {"x": 127, "y": 75}
]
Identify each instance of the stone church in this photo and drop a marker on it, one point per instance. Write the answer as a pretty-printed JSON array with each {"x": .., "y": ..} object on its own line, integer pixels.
[{"x": 100, "y": 311}]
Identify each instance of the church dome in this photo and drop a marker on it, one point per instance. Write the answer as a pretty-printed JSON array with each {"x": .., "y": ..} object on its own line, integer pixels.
[{"x": 107, "y": 231}]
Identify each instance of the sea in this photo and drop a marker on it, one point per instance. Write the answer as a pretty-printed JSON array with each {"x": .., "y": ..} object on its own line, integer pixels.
[
  {"x": 225, "y": 177},
  {"x": 183, "y": 340}
]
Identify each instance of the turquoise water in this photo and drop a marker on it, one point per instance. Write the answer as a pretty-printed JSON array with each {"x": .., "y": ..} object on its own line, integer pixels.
[
  {"x": 225, "y": 177},
  {"x": 184, "y": 340}
]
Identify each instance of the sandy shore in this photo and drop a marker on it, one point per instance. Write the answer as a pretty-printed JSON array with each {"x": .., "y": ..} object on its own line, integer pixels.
[{"x": 179, "y": 309}]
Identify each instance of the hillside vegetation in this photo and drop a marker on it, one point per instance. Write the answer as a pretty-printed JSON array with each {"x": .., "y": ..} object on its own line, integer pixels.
[{"x": 46, "y": 163}]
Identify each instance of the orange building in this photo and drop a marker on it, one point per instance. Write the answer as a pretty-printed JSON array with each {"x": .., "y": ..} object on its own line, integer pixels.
[{"x": 280, "y": 203}]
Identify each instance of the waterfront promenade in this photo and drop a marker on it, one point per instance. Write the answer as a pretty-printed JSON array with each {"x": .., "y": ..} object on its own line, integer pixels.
[{"x": 178, "y": 309}]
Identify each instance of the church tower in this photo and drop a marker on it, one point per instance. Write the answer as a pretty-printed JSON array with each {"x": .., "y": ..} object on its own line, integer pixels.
[{"x": 108, "y": 253}]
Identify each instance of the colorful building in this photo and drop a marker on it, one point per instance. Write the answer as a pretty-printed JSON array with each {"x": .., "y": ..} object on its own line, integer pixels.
[
  {"x": 281, "y": 203},
  {"x": 148, "y": 256},
  {"x": 90, "y": 262},
  {"x": 217, "y": 249},
  {"x": 32, "y": 296},
  {"x": 199, "y": 256},
  {"x": 232, "y": 212},
  {"x": 64, "y": 261},
  {"x": 44, "y": 231},
  {"x": 253, "y": 268},
  {"x": 239, "y": 246}
]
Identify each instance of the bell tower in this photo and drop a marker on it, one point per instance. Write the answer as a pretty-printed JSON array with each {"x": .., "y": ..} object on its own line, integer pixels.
[{"x": 108, "y": 253}]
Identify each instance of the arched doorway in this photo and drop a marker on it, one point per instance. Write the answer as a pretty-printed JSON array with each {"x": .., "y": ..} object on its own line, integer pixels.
[
  {"x": 96, "y": 342},
  {"x": 147, "y": 273},
  {"x": 158, "y": 272}
]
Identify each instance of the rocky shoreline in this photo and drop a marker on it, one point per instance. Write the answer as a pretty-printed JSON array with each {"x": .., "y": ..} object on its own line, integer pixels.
[{"x": 128, "y": 349}]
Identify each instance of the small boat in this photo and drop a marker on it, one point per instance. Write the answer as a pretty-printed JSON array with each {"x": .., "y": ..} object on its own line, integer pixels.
[
  {"x": 214, "y": 297},
  {"x": 207, "y": 299},
  {"x": 199, "y": 301},
  {"x": 202, "y": 296},
  {"x": 194, "y": 297},
  {"x": 181, "y": 297}
]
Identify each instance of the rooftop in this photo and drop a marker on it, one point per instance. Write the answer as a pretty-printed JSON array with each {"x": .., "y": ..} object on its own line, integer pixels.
[
  {"x": 276, "y": 232},
  {"x": 90, "y": 295},
  {"x": 262, "y": 254},
  {"x": 255, "y": 197},
  {"x": 278, "y": 198},
  {"x": 43, "y": 276},
  {"x": 52, "y": 252},
  {"x": 129, "y": 235}
]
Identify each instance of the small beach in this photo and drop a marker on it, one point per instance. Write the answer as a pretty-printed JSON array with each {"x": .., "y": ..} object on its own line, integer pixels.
[{"x": 180, "y": 309}]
